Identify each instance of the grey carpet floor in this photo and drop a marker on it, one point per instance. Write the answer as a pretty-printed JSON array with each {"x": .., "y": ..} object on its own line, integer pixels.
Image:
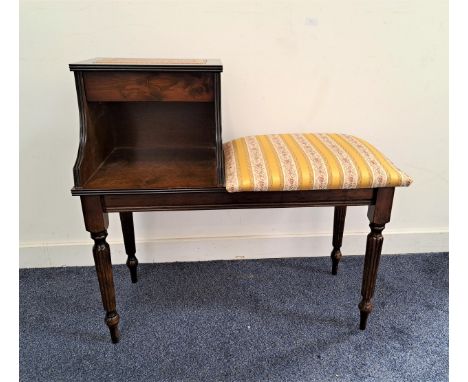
[{"x": 257, "y": 320}]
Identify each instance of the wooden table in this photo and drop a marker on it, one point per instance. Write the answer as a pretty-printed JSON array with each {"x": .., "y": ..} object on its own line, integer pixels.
[{"x": 150, "y": 140}]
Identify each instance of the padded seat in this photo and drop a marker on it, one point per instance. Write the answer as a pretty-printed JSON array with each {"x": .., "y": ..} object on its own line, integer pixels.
[{"x": 288, "y": 162}]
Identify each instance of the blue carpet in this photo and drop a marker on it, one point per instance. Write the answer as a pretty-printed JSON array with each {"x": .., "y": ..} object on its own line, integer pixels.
[{"x": 256, "y": 320}]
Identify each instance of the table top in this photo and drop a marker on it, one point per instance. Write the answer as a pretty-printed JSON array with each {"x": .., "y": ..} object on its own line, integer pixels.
[{"x": 168, "y": 64}]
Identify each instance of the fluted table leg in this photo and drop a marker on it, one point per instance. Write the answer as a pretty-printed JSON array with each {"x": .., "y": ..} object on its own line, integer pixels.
[
  {"x": 96, "y": 222},
  {"x": 338, "y": 228},
  {"x": 102, "y": 260},
  {"x": 379, "y": 215}
]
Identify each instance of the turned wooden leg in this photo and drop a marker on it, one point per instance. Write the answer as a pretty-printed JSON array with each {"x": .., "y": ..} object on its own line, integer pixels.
[
  {"x": 96, "y": 223},
  {"x": 379, "y": 215},
  {"x": 338, "y": 227},
  {"x": 126, "y": 219},
  {"x": 102, "y": 260}
]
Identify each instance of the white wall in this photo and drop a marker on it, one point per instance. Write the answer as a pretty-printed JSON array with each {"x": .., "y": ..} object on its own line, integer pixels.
[{"x": 378, "y": 69}]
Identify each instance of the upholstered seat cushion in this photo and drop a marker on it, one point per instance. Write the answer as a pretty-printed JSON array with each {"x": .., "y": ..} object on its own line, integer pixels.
[{"x": 287, "y": 162}]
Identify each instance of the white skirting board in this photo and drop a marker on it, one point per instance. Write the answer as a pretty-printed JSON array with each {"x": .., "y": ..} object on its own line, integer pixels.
[{"x": 40, "y": 255}]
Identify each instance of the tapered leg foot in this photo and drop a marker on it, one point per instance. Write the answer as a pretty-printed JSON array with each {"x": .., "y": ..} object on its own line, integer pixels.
[
  {"x": 336, "y": 257},
  {"x": 363, "y": 321},
  {"x": 112, "y": 321},
  {"x": 132, "y": 264},
  {"x": 126, "y": 220},
  {"x": 338, "y": 228},
  {"x": 365, "y": 308}
]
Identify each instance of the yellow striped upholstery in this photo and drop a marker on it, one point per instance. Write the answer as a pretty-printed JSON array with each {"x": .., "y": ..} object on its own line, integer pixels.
[{"x": 287, "y": 162}]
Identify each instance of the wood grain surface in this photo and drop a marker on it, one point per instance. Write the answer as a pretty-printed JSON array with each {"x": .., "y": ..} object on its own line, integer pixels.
[{"x": 148, "y": 86}]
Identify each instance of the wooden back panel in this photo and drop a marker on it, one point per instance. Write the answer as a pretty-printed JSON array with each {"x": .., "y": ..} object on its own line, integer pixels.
[{"x": 168, "y": 124}]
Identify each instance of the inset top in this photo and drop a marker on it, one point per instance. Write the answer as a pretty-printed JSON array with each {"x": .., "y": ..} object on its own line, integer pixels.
[{"x": 159, "y": 64}]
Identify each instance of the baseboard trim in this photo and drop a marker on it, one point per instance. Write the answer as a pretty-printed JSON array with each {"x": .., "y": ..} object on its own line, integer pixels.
[{"x": 163, "y": 250}]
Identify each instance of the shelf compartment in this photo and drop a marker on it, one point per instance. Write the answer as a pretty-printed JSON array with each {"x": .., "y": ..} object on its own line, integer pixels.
[{"x": 155, "y": 168}]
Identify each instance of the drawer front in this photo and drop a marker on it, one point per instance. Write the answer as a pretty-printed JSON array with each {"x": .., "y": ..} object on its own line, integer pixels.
[{"x": 149, "y": 86}]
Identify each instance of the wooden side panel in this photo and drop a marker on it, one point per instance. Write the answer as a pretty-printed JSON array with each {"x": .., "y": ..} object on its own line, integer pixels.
[
  {"x": 219, "y": 139},
  {"x": 97, "y": 138},
  {"x": 148, "y": 86}
]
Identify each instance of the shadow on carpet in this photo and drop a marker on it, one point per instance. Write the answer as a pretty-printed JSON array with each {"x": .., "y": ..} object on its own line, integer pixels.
[{"x": 251, "y": 320}]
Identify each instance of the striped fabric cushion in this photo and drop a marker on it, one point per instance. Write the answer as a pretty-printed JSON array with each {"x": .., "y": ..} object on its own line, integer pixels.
[{"x": 288, "y": 162}]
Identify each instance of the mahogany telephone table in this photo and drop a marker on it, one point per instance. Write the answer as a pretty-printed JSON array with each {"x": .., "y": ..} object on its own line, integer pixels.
[{"x": 150, "y": 140}]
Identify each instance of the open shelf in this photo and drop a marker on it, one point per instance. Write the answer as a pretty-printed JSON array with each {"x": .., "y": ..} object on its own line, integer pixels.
[
  {"x": 148, "y": 127},
  {"x": 155, "y": 168}
]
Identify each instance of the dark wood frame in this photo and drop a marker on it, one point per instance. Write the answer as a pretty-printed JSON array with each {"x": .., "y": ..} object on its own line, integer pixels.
[
  {"x": 97, "y": 203},
  {"x": 96, "y": 208}
]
